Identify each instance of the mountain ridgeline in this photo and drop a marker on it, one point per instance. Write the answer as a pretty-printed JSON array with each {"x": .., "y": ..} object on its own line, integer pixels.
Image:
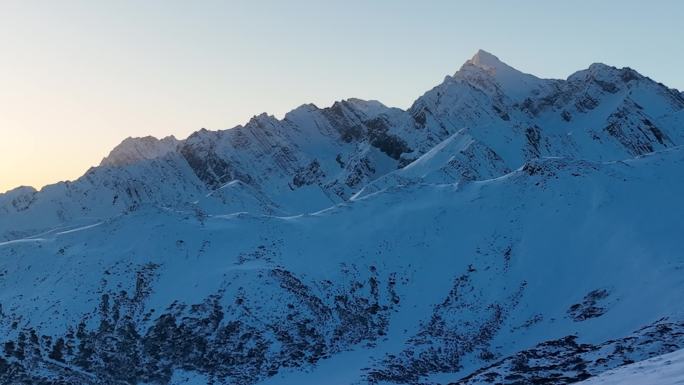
[{"x": 504, "y": 229}]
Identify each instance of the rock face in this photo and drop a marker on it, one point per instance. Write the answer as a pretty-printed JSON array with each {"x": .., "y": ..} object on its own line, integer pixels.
[{"x": 504, "y": 229}]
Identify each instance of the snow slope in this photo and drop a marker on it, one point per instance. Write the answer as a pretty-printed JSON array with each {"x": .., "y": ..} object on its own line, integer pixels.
[{"x": 667, "y": 369}]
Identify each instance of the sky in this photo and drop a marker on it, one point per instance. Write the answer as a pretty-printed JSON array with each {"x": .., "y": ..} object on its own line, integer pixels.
[{"x": 79, "y": 76}]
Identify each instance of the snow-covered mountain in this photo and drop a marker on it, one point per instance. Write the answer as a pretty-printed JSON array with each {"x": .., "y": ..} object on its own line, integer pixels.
[{"x": 504, "y": 229}]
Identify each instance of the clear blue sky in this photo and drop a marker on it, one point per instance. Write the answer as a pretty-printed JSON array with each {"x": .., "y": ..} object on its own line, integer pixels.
[{"x": 76, "y": 77}]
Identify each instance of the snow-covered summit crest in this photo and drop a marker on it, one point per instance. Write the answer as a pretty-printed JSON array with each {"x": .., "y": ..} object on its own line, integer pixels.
[
  {"x": 489, "y": 63},
  {"x": 486, "y": 71},
  {"x": 132, "y": 150},
  {"x": 485, "y": 60}
]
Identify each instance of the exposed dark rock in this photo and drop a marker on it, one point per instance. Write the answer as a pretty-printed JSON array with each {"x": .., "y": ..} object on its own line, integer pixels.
[
  {"x": 443, "y": 340},
  {"x": 224, "y": 340},
  {"x": 308, "y": 175},
  {"x": 564, "y": 361},
  {"x": 379, "y": 136},
  {"x": 589, "y": 308}
]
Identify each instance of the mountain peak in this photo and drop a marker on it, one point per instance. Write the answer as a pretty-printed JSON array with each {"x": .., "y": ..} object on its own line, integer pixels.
[
  {"x": 486, "y": 69},
  {"x": 485, "y": 59},
  {"x": 135, "y": 149},
  {"x": 603, "y": 72}
]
